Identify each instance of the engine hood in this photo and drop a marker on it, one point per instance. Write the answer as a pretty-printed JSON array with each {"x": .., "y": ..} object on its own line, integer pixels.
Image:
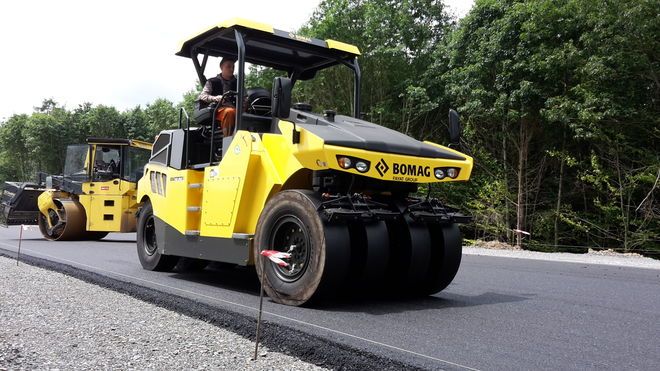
[{"x": 347, "y": 131}]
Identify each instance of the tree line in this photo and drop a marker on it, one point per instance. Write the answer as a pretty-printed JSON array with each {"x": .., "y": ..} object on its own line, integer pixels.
[{"x": 558, "y": 100}]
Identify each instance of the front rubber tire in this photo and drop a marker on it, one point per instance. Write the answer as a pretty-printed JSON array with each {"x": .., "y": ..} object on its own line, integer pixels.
[
  {"x": 326, "y": 255},
  {"x": 147, "y": 243},
  {"x": 445, "y": 258}
]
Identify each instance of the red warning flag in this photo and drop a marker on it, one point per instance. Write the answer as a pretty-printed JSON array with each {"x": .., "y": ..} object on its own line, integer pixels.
[{"x": 276, "y": 257}]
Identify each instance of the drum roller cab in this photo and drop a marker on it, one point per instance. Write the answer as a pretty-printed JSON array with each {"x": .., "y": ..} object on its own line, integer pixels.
[{"x": 95, "y": 195}]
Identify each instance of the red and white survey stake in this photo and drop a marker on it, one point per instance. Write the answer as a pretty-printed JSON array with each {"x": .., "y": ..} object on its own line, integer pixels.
[{"x": 277, "y": 256}]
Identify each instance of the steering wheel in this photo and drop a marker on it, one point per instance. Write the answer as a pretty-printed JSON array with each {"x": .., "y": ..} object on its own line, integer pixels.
[
  {"x": 112, "y": 167},
  {"x": 229, "y": 94}
]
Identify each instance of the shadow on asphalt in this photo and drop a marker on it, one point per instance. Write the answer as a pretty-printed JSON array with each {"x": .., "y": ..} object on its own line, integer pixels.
[
  {"x": 241, "y": 279},
  {"x": 115, "y": 241},
  {"x": 386, "y": 305},
  {"x": 244, "y": 280},
  {"x": 105, "y": 240}
]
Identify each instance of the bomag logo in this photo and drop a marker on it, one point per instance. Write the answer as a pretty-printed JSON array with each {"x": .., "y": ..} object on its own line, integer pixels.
[
  {"x": 411, "y": 170},
  {"x": 403, "y": 169},
  {"x": 382, "y": 168}
]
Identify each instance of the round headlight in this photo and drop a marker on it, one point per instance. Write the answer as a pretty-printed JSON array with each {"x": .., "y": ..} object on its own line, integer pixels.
[
  {"x": 345, "y": 162},
  {"x": 361, "y": 166},
  {"x": 452, "y": 173},
  {"x": 439, "y": 173}
]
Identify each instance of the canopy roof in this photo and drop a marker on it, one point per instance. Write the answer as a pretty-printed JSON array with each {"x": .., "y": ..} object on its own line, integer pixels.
[{"x": 267, "y": 46}]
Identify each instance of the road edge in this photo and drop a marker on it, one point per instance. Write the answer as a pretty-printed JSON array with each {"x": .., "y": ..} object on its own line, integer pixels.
[
  {"x": 560, "y": 257},
  {"x": 277, "y": 337}
]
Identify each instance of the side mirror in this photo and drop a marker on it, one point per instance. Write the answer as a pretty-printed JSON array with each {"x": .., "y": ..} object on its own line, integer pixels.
[
  {"x": 281, "y": 102},
  {"x": 454, "y": 129},
  {"x": 280, "y": 105}
]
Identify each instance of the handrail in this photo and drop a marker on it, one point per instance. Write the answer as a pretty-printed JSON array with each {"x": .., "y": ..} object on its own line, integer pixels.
[
  {"x": 213, "y": 128},
  {"x": 182, "y": 111}
]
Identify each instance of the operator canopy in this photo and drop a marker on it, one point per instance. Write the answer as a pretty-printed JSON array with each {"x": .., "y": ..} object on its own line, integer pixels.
[
  {"x": 270, "y": 47},
  {"x": 301, "y": 57}
]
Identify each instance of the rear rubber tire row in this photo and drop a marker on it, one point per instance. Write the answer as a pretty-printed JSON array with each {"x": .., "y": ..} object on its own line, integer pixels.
[{"x": 400, "y": 258}]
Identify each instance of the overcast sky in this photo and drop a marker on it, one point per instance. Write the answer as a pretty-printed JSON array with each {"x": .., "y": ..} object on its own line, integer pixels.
[{"x": 118, "y": 53}]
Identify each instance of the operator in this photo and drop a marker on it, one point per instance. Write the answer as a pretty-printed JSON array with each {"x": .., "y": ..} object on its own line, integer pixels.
[{"x": 212, "y": 93}]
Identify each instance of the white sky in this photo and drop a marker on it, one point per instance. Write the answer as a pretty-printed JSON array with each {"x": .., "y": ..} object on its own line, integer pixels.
[{"x": 118, "y": 53}]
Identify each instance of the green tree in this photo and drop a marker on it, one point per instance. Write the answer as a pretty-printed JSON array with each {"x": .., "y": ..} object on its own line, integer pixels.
[
  {"x": 14, "y": 154},
  {"x": 104, "y": 121},
  {"x": 136, "y": 124},
  {"x": 161, "y": 115},
  {"x": 562, "y": 96},
  {"x": 46, "y": 137}
]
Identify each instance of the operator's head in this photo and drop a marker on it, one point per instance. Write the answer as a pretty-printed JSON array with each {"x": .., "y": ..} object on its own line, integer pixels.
[{"x": 227, "y": 68}]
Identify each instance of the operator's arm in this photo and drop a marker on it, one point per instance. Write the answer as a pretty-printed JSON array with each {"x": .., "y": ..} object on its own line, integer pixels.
[{"x": 206, "y": 97}]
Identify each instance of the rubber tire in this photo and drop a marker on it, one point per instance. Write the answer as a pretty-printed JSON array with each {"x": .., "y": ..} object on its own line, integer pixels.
[
  {"x": 409, "y": 260},
  {"x": 156, "y": 261},
  {"x": 329, "y": 250},
  {"x": 446, "y": 255},
  {"x": 370, "y": 254}
]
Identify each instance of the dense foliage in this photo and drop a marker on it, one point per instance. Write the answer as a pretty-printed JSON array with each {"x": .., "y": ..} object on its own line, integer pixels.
[{"x": 559, "y": 101}]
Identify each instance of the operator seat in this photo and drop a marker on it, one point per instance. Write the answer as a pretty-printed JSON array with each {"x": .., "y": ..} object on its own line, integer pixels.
[
  {"x": 257, "y": 117},
  {"x": 203, "y": 113},
  {"x": 258, "y": 102}
]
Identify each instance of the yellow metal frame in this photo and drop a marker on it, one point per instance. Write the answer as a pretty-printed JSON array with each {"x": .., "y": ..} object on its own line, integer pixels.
[{"x": 242, "y": 22}]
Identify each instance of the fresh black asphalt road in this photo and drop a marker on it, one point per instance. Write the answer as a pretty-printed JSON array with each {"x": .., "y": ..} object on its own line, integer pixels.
[{"x": 499, "y": 313}]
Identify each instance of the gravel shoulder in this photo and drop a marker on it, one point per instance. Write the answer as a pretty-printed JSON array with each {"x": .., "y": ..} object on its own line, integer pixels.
[
  {"x": 54, "y": 321},
  {"x": 56, "y": 316},
  {"x": 604, "y": 258}
]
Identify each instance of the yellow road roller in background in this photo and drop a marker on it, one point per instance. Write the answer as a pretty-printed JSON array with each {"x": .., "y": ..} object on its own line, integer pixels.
[
  {"x": 95, "y": 195},
  {"x": 333, "y": 191}
]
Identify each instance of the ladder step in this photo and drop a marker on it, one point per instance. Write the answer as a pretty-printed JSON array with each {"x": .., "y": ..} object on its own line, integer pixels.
[
  {"x": 192, "y": 232},
  {"x": 194, "y": 208},
  {"x": 195, "y": 185}
]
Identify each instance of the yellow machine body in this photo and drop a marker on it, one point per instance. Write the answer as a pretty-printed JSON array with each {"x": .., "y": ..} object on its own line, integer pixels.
[
  {"x": 227, "y": 199},
  {"x": 110, "y": 206},
  {"x": 95, "y": 199},
  {"x": 333, "y": 195}
]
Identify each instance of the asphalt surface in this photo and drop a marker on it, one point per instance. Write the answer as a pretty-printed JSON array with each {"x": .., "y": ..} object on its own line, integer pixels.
[{"x": 499, "y": 313}]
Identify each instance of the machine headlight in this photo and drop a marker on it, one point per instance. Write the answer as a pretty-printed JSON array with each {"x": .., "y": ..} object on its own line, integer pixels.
[
  {"x": 452, "y": 172},
  {"x": 439, "y": 173},
  {"x": 349, "y": 162},
  {"x": 345, "y": 162},
  {"x": 361, "y": 166}
]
